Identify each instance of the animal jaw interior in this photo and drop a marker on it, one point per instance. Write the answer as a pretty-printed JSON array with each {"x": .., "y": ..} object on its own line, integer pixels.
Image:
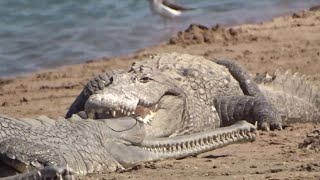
[{"x": 142, "y": 111}]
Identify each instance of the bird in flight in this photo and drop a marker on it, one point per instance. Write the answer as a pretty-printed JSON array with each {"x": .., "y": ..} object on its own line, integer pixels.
[{"x": 167, "y": 9}]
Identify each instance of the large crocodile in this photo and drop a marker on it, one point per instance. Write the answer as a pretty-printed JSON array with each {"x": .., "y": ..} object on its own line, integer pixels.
[{"x": 191, "y": 104}]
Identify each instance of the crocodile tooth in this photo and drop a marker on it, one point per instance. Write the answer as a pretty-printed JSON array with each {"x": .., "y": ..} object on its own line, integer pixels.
[
  {"x": 124, "y": 112},
  {"x": 121, "y": 110},
  {"x": 242, "y": 132},
  {"x": 179, "y": 147},
  {"x": 192, "y": 144},
  {"x": 184, "y": 145},
  {"x": 107, "y": 112},
  {"x": 139, "y": 118},
  {"x": 156, "y": 107},
  {"x": 132, "y": 112},
  {"x": 173, "y": 148},
  {"x": 128, "y": 113},
  {"x": 218, "y": 140},
  {"x": 213, "y": 109},
  {"x": 91, "y": 114},
  {"x": 113, "y": 113},
  {"x": 201, "y": 143}
]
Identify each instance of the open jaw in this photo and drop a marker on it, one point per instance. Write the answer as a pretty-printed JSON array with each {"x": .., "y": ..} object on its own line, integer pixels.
[{"x": 107, "y": 106}]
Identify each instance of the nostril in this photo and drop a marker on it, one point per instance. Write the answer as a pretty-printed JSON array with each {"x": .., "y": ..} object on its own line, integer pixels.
[{"x": 111, "y": 79}]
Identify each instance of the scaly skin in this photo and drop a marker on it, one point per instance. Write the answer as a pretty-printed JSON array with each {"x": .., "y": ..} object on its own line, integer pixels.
[
  {"x": 187, "y": 101},
  {"x": 295, "y": 98},
  {"x": 45, "y": 147}
]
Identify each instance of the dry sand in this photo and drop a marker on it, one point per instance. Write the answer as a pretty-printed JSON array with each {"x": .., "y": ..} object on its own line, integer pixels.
[{"x": 290, "y": 42}]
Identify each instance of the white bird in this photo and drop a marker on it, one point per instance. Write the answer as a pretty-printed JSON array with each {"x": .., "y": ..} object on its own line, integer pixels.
[{"x": 167, "y": 9}]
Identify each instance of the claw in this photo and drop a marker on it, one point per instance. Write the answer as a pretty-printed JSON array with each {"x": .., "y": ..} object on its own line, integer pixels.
[
  {"x": 265, "y": 126},
  {"x": 276, "y": 127},
  {"x": 39, "y": 173},
  {"x": 286, "y": 126}
]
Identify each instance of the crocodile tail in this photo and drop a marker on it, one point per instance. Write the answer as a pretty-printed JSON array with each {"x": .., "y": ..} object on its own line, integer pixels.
[{"x": 293, "y": 95}]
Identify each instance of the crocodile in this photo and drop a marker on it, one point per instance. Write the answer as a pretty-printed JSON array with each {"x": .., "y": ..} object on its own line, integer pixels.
[{"x": 166, "y": 106}]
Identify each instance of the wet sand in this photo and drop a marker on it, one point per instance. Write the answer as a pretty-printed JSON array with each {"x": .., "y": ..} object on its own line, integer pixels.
[{"x": 289, "y": 42}]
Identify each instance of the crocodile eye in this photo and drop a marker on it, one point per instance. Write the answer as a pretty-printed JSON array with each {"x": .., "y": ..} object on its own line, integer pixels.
[{"x": 145, "y": 79}]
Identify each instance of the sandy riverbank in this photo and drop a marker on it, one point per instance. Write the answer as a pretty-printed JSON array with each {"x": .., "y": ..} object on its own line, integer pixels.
[{"x": 290, "y": 42}]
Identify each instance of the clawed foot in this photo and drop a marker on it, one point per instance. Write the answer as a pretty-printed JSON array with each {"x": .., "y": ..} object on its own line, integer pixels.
[
  {"x": 56, "y": 172},
  {"x": 268, "y": 125}
]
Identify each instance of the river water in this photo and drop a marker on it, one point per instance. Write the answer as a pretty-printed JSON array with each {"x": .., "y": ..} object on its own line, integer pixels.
[{"x": 36, "y": 34}]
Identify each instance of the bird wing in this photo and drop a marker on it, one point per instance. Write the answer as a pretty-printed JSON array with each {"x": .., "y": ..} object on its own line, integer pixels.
[{"x": 178, "y": 7}]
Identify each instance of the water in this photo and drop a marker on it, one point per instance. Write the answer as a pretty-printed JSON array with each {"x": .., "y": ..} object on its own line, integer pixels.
[{"x": 36, "y": 34}]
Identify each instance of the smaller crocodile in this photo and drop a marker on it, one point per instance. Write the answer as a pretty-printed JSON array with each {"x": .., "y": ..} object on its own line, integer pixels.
[{"x": 63, "y": 148}]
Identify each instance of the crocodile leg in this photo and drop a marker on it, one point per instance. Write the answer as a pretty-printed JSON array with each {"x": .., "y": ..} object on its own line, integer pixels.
[
  {"x": 248, "y": 86},
  {"x": 37, "y": 161},
  {"x": 252, "y": 107}
]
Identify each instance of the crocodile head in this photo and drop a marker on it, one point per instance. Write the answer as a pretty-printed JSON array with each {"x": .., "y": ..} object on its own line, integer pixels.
[{"x": 150, "y": 96}]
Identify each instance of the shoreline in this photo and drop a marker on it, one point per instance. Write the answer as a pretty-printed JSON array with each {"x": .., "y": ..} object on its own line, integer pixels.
[
  {"x": 252, "y": 21},
  {"x": 287, "y": 42},
  {"x": 76, "y": 42}
]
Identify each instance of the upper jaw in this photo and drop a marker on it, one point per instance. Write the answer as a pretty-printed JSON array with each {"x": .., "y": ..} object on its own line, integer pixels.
[
  {"x": 110, "y": 104},
  {"x": 106, "y": 105},
  {"x": 138, "y": 100}
]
